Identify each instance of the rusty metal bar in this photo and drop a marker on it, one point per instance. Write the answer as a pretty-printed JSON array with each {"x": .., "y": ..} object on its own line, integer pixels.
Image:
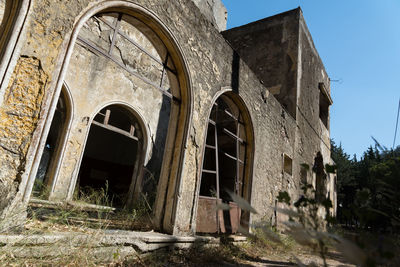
[
  {"x": 229, "y": 133},
  {"x": 216, "y": 166},
  {"x": 138, "y": 46},
  {"x": 233, "y": 117},
  {"x": 163, "y": 71},
  {"x": 209, "y": 171},
  {"x": 115, "y": 129},
  {"x": 107, "y": 116},
  {"x": 132, "y": 130},
  {"x": 115, "y": 33},
  {"x": 231, "y": 157},
  {"x": 237, "y": 160}
]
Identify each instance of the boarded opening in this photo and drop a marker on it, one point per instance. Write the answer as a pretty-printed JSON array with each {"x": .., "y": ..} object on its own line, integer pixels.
[
  {"x": 223, "y": 169},
  {"x": 111, "y": 153}
]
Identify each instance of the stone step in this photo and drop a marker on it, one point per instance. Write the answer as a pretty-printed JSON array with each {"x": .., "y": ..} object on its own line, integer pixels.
[{"x": 101, "y": 244}]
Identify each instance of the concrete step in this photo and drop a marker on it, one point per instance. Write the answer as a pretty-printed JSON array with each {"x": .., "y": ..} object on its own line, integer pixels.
[{"x": 104, "y": 245}]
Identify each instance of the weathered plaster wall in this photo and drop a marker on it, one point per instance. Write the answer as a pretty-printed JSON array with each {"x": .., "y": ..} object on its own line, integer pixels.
[
  {"x": 211, "y": 63},
  {"x": 313, "y": 135},
  {"x": 270, "y": 48},
  {"x": 281, "y": 52},
  {"x": 214, "y": 11},
  {"x": 94, "y": 82},
  {"x": 19, "y": 115}
]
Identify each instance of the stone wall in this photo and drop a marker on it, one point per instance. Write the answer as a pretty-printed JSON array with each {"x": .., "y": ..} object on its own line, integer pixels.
[
  {"x": 214, "y": 11},
  {"x": 270, "y": 47},
  {"x": 280, "y": 51},
  {"x": 211, "y": 65}
]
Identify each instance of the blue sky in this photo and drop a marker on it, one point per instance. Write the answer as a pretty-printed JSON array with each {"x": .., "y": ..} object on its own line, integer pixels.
[{"x": 359, "y": 43}]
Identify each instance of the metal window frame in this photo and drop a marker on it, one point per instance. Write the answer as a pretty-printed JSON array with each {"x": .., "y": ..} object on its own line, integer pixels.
[
  {"x": 108, "y": 54},
  {"x": 237, "y": 143}
]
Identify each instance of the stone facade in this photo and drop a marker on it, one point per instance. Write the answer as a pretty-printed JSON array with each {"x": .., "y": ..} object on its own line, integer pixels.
[{"x": 162, "y": 65}]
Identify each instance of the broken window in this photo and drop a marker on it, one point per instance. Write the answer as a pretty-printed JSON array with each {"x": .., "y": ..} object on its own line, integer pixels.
[
  {"x": 324, "y": 103},
  {"x": 50, "y": 155},
  {"x": 112, "y": 150},
  {"x": 119, "y": 38},
  {"x": 223, "y": 170},
  {"x": 112, "y": 43}
]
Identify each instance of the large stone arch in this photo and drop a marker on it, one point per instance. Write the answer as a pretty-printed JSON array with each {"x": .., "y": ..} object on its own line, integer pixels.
[{"x": 180, "y": 111}]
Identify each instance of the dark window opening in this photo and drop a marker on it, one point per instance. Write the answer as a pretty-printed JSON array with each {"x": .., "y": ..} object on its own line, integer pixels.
[
  {"x": 49, "y": 157},
  {"x": 324, "y": 103},
  {"x": 223, "y": 167},
  {"x": 108, "y": 162},
  {"x": 320, "y": 178}
]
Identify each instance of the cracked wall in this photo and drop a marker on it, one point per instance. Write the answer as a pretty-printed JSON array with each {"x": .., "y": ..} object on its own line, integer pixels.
[{"x": 19, "y": 115}]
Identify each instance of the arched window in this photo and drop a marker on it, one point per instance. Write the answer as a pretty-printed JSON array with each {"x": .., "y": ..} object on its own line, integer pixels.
[
  {"x": 226, "y": 166},
  {"x": 52, "y": 149},
  {"x": 112, "y": 155},
  {"x": 121, "y": 55}
]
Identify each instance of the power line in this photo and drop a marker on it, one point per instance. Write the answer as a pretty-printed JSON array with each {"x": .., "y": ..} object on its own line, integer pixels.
[{"x": 397, "y": 123}]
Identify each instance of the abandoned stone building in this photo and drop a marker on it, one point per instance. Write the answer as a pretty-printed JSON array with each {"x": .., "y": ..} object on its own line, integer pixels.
[{"x": 155, "y": 99}]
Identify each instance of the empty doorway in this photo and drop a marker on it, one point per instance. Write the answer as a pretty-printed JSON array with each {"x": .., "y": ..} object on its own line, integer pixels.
[
  {"x": 112, "y": 157},
  {"x": 225, "y": 169}
]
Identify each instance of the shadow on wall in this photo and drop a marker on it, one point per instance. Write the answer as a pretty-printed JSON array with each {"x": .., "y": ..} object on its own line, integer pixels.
[
  {"x": 153, "y": 167},
  {"x": 235, "y": 72}
]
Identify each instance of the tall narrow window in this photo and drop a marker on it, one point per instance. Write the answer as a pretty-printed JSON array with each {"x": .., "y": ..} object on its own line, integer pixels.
[
  {"x": 224, "y": 164},
  {"x": 51, "y": 150},
  {"x": 320, "y": 178},
  {"x": 113, "y": 148}
]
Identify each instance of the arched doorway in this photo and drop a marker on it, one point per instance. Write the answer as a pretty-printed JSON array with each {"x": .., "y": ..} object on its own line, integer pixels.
[
  {"x": 54, "y": 144},
  {"x": 226, "y": 166},
  {"x": 112, "y": 156}
]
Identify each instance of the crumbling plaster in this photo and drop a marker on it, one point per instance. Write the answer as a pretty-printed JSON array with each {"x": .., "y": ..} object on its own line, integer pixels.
[{"x": 211, "y": 65}]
